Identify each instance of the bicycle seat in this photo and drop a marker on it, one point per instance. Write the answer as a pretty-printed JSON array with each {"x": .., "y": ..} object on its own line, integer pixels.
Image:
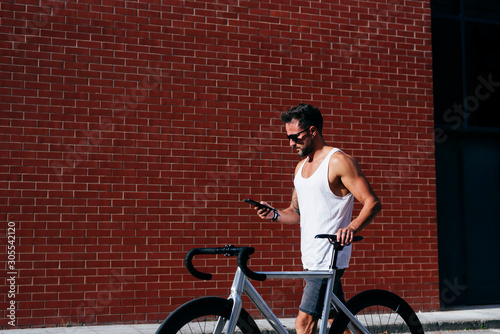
[{"x": 333, "y": 237}]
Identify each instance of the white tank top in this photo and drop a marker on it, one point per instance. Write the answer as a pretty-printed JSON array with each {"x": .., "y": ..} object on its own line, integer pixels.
[{"x": 321, "y": 211}]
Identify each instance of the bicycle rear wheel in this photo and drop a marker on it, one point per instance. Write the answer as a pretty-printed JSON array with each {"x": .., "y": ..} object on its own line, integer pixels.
[
  {"x": 381, "y": 312},
  {"x": 200, "y": 316}
]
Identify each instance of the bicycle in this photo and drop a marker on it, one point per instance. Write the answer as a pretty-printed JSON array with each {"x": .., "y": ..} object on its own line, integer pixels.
[{"x": 369, "y": 312}]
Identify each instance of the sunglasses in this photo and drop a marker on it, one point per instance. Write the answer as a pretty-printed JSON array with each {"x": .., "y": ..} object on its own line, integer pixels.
[{"x": 295, "y": 137}]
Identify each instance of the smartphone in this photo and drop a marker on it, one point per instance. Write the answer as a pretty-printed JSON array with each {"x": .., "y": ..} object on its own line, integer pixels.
[{"x": 257, "y": 204}]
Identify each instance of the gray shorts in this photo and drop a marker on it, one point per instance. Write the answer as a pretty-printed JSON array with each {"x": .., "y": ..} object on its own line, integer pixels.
[{"x": 314, "y": 293}]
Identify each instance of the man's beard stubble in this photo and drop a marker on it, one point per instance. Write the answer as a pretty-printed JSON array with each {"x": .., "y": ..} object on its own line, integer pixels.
[{"x": 306, "y": 150}]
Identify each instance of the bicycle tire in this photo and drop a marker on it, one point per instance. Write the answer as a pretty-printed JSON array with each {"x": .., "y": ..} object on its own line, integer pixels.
[
  {"x": 199, "y": 316},
  {"x": 380, "y": 311}
]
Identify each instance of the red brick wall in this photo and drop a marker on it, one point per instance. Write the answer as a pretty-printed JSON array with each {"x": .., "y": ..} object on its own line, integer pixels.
[{"x": 132, "y": 130}]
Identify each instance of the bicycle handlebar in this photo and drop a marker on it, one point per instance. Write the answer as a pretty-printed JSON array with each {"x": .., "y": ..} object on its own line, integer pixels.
[{"x": 243, "y": 254}]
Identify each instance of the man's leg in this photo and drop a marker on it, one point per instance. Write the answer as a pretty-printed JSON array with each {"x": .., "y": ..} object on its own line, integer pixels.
[
  {"x": 305, "y": 323},
  {"x": 311, "y": 305}
]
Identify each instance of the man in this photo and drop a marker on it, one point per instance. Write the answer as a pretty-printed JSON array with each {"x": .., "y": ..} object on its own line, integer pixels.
[{"x": 326, "y": 182}]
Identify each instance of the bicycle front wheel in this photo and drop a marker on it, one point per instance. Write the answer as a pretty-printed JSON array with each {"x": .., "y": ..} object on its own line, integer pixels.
[
  {"x": 380, "y": 312},
  {"x": 204, "y": 315}
]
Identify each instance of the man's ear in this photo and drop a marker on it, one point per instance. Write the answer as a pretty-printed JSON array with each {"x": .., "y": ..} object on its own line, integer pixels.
[{"x": 314, "y": 131}]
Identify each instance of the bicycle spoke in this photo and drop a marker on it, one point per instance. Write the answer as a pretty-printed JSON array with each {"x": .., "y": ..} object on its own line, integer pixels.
[
  {"x": 382, "y": 320},
  {"x": 204, "y": 325}
]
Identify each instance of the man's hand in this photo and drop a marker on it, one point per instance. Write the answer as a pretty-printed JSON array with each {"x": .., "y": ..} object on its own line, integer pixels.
[
  {"x": 265, "y": 213},
  {"x": 345, "y": 236}
]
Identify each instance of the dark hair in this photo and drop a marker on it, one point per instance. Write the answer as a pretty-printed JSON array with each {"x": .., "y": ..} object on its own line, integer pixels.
[{"x": 306, "y": 114}]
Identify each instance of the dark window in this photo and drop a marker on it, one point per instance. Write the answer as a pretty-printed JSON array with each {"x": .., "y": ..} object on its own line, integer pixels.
[
  {"x": 482, "y": 9},
  {"x": 483, "y": 79},
  {"x": 466, "y": 64},
  {"x": 466, "y": 70},
  {"x": 449, "y": 7},
  {"x": 447, "y": 72}
]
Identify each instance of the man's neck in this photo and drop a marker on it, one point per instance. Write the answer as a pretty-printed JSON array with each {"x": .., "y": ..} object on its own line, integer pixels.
[{"x": 318, "y": 150}]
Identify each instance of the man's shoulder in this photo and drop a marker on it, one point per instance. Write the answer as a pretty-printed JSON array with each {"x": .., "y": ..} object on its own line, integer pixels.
[
  {"x": 338, "y": 154},
  {"x": 341, "y": 160}
]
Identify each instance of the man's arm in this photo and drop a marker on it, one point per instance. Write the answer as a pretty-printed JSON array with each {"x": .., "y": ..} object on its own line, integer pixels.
[
  {"x": 290, "y": 215},
  {"x": 353, "y": 179}
]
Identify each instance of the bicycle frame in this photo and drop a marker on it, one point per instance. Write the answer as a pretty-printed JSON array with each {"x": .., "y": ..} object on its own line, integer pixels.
[{"x": 241, "y": 285}]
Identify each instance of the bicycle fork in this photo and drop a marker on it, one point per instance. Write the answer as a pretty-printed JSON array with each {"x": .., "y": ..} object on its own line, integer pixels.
[{"x": 236, "y": 292}]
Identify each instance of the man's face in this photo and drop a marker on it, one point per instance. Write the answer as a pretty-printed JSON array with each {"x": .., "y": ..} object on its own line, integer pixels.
[{"x": 304, "y": 144}]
